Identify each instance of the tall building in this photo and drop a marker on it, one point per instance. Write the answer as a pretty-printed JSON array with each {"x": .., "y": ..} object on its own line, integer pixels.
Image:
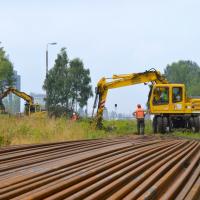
[{"x": 12, "y": 102}]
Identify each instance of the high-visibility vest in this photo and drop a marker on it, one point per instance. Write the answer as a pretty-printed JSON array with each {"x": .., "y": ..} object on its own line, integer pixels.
[
  {"x": 74, "y": 117},
  {"x": 139, "y": 113}
]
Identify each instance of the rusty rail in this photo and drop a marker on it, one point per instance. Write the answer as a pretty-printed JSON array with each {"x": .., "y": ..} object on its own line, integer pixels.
[{"x": 122, "y": 168}]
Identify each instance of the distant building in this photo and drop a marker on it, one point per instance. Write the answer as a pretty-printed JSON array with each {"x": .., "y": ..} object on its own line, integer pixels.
[
  {"x": 39, "y": 99},
  {"x": 12, "y": 102},
  {"x": 105, "y": 113}
]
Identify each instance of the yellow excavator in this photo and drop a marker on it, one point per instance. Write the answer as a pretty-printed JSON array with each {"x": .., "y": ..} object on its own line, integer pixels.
[
  {"x": 30, "y": 106},
  {"x": 168, "y": 102}
]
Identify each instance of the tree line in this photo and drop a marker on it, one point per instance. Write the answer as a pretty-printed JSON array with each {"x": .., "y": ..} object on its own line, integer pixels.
[
  {"x": 6, "y": 71},
  {"x": 68, "y": 82},
  {"x": 6, "y": 74},
  {"x": 186, "y": 72}
]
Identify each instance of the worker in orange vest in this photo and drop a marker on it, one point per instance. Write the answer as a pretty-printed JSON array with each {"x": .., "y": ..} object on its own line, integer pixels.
[
  {"x": 139, "y": 113},
  {"x": 74, "y": 116}
]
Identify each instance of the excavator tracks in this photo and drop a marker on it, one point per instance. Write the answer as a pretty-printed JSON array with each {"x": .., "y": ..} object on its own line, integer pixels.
[{"x": 135, "y": 167}]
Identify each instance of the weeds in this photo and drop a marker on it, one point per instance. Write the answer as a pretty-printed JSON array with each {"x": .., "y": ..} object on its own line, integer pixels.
[{"x": 29, "y": 130}]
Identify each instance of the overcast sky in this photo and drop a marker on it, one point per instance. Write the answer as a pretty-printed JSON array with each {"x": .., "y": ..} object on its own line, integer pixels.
[{"x": 110, "y": 36}]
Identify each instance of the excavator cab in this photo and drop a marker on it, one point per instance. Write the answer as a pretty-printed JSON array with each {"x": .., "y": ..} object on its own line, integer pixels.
[
  {"x": 32, "y": 108},
  {"x": 160, "y": 96},
  {"x": 167, "y": 98}
]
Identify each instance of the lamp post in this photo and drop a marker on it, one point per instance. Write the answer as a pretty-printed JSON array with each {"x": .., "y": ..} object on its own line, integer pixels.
[{"x": 52, "y": 43}]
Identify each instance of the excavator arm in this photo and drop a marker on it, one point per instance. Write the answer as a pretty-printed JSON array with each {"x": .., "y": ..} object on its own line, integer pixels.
[
  {"x": 29, "y": 106},
  {"x": 118, "y": 81},
  {"x": 22, "y": 95},
  {"x": 29, "y": 99}
]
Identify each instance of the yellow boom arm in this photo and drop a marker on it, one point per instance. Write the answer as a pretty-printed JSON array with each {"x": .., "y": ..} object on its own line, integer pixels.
[
  {"x": 22, "y": 95},
  {"x": 30, "y": 107},
  {"x": 123, "y": 80}
]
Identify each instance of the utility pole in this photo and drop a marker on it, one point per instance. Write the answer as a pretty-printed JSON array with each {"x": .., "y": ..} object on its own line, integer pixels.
[{"x": 47, "y": 56}]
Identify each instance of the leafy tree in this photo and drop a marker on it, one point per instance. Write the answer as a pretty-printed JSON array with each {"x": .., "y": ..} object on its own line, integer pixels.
[
  {"x": 67, "y": 85},
  {"x": 55, "y": 84},
  {"x": 186, "y": 72},
  {"x": 79, "y": 79},
  {"x": 6, "y": 71},
  {"x": 6, "y": 74}
]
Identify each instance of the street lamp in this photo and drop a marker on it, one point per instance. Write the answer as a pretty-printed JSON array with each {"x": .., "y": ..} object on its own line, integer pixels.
[{"x": 52, "y": 43}]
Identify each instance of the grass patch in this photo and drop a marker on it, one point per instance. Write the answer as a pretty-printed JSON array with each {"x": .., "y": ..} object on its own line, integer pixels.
[
  {"x": 40, "y": 129},
  {"x": 185, "y": 134},
  {"x": 29, "y": 130}
]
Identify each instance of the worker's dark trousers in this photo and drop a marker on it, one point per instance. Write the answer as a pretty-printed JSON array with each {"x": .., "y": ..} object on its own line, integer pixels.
[{"x": 140, "y": 126}]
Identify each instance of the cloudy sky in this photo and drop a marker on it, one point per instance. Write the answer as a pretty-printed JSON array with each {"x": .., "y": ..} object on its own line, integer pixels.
[{"x": 110, "y": 36}]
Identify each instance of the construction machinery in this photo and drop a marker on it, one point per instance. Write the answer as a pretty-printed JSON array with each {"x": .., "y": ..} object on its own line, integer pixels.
[
  {"x": 168, "y": 102},
  {"x": 30, "y": 106}
]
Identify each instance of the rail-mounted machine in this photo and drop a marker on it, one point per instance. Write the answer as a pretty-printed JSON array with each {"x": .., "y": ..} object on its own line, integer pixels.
[{"x": 168, "y": 102}]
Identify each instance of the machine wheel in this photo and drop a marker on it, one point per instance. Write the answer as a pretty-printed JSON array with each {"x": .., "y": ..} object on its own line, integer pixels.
[
  {"x": 154, "y": 125},
  {"x": 159, "y": 124},
  {"x": 199, "y": 123},
  {"x": 170, "y": 126},
  {"x": 195, "y": 124},
  {"x": 162, "y": 123}
]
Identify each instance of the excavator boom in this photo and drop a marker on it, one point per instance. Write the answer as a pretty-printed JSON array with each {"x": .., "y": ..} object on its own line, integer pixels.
[
  {"x": 29, "y": 106},
  {"x": 20, "y": 94},
  {"x": 29, "y": 99},
  {"x": 133, "y": 79},
  {"x": 122, "y": 80}
]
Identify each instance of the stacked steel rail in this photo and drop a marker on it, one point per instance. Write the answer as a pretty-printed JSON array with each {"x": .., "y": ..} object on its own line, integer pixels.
[{"x": 120, "y": 168}]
